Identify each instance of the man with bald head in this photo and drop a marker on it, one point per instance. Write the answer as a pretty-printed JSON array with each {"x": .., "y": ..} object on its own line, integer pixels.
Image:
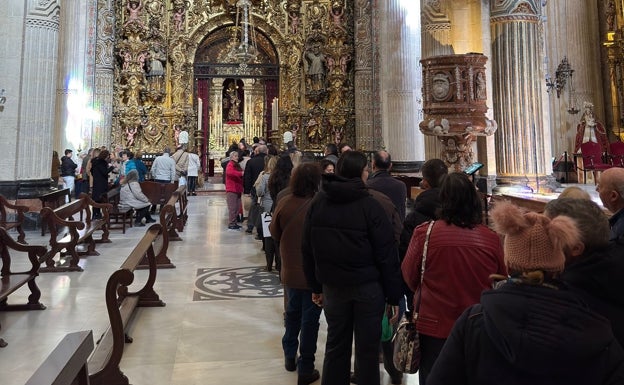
[
  {"x": 611, "y": 192},
  {"x": 382, "y": 181}
]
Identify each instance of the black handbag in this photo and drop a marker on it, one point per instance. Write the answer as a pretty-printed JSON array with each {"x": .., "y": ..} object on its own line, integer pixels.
[{"x": 406, "y": 354}]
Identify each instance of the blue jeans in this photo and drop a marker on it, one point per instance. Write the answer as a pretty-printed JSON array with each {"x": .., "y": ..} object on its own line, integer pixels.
[
  {"x": 302, "y": 325},
  {"x": 352, "y": 311}
]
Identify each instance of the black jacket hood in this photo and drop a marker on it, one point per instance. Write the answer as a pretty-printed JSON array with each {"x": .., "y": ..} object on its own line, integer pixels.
[{"x": 339, "y": 189}]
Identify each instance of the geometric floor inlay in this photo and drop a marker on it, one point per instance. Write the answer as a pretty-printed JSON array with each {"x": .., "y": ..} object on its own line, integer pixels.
[{"x": 237, "y": 282}]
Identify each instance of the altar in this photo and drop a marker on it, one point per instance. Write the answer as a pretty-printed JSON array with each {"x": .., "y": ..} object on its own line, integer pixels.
[{"x": 233, "y": 132}]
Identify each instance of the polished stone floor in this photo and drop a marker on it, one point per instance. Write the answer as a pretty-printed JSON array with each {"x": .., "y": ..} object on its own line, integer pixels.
[{"x": 222, "y": 323}]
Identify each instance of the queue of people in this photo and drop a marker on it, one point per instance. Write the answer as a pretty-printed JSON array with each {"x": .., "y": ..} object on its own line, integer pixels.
[{"x": 535, "y": 299}]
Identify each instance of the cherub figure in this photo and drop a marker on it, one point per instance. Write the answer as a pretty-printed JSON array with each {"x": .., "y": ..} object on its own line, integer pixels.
[
  {"x": 134, "y": 12},
  {"x": 337, "y": 11},
  {"x": 130, "y": 133},
  {"x": 294, "y": 22},
  {"x": 178, "y": 19}
]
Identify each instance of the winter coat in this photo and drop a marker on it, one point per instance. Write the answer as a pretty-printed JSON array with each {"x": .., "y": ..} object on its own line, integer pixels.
[
  {"x": 383, "y": 182},
  {"x": 262, "y": 191},
  {"x": 425, "y": 206},
  {"x": 181, "y": 158},
  {"x": 68, "y": 167},
  {"x": 233, "y": 178},
  {"x": 287, "y": 229},
  {"x": 599, "y": 280},
  {"x": 459, "y": 263},
  {"x": 131, "y": 194},
  {"x": 253, "y": 168},
  {"x": 193, "y": 165},
  {"x": 524, "y": 334},
  {"x": 99, "y": 172},
  {"x": 348, "y": 239}
]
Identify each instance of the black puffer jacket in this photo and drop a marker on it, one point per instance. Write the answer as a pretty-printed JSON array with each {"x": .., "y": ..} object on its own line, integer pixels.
[
  {"x": 68, "y": 166},
  {"x": 599, "y": 280},
  {"x": 348, "y": 239},
  {"x": 523, "y": 334}
]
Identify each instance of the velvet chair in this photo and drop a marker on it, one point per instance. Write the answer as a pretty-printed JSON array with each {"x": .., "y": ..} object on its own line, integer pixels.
[
  {"x": 616, "y": 150},
  {"x": 592, "y": 160}
]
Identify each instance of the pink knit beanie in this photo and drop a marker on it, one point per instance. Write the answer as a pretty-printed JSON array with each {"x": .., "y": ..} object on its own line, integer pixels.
[{"x": 532, "y": 240}]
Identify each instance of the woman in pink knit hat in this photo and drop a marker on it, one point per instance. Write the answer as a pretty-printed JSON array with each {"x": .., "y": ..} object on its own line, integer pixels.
[{"x": 531, "y": 329}]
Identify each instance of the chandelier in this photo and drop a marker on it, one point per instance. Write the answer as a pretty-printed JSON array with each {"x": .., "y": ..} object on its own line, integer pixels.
[{"x": 244, "y": 49}]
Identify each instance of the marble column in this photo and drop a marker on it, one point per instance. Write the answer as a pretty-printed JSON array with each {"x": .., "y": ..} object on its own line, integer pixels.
[
  {"x": 436, "y": 40},
  {"x": 576, "y": 20},
  {"x": 27, "y": 145},
  {"x": 523, "y": 139},
  {"x": 74, "y": 87},
  {"x": 104, "y": 73},
  {"x": 364, "y": 82},
  {"x": 400, "y": 83}
]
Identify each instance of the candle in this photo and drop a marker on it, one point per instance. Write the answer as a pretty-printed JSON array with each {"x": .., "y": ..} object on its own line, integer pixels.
[{"x": 199, "y": 114}]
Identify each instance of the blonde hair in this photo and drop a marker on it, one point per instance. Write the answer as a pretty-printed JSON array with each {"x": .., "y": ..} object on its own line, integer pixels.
[
  {"x": 269, "y": 164},
  {"x": 575, "y": 193}
]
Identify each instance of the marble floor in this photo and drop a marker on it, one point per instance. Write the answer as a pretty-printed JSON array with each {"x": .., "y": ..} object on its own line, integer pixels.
[{"x": 222, "y": 323}]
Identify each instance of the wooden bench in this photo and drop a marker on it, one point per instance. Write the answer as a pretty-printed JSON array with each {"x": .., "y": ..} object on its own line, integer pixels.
[
  {"x": 183, "y": 206},
  {"x": 120, "y": 303},
  {"x": 71, "y": 225},
  {"x": 15, "y": 222},
  {"x": 119, "y": 216},
  {"x": 10, "y": 281},
  {"x": 54, "y": 199},
  {"x": 67, "y": 364},
  {"x": 158, "y": 193},
  {"x": 168, "y": 222}
]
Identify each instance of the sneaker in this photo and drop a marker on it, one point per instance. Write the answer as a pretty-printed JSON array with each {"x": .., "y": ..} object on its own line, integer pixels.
[
  {"x": 290, "y": 364},
  {"x": 150, "y": 220},
  {"x": 234, "y": 227},
  {"x": 305, "y": 379},
  {"x": 139, "y": 224}
]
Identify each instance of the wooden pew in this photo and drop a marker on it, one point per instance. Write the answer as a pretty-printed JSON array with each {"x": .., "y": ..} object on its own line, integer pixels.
[
  {"x": 54, "y": 199},
  {"x": 182, "y": 208},
  {"x": 10, "y": 281},
  {"x": 119, "y": 216},
  {"x": 120, "y": 303},
  {"x": 13, "y": 223},
  {"x": 167, "y": 221},
  {"x": 67, "y": 364},
  {"x": 158, "y": 193},
  {"x": 71, "y": 225}
]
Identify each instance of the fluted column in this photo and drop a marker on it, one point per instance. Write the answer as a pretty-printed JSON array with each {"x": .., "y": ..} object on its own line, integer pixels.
[
  {"x": 364, "y": 90},
  {"x": 436, "y": 40},
  {"x": 401, "y": 83},
  {"x": 577, "y": 21},
  {"x": 104, "y": 74},
  {"x": 523, "y": 139},
  {"x": 39, "y": 75}
]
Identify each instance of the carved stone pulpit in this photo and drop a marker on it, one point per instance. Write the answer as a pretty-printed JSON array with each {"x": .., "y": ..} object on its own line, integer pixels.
[{"x": 454, "y": 92}]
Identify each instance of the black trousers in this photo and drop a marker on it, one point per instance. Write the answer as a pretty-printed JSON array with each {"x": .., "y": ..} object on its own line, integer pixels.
[{"x": 352, "y": 312}]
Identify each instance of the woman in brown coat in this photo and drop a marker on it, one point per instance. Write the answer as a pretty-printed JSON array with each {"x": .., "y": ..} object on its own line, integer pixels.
[{"x": 302, "y": 315}]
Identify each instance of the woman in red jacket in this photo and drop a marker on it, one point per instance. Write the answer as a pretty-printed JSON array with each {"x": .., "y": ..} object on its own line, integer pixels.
[
  {"x": 233, "y": 189},
  {"x": 462, "y": 253}
]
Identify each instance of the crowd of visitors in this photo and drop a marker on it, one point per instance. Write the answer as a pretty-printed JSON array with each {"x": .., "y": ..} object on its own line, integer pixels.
[{"x": 536, "y": 298}]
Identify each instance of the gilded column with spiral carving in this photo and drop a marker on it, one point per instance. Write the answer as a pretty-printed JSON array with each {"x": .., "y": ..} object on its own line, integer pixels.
[{"x": 364, "y": 110}]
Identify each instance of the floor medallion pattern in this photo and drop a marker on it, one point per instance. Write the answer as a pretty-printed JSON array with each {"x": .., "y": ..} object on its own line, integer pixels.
[{"x": 240, "y": 282}]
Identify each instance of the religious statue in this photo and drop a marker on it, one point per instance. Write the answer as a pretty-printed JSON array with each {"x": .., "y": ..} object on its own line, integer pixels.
[
  {"x": 590, "y": 129},
  {"x": 337, "y": 11},
  {"x": 157, "y": 57},
  {"x": 176, "y": 134},
  {"x": 315, "y": 134},
  {"x": 234, "y": 102},
  {"x": 294, "y": 22},
  {"x": 178, "y": 19},
  {"x": 344, "y": 60},
  {"x": 316, "y": 68},
  {"x": 127, "y": 59},
  {"x": 130, "y": 133},
  {"x": 330, "y": 65},
  {"x": 134, "y": 12}
]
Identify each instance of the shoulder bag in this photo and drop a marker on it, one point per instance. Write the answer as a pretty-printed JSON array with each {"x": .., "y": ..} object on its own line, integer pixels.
[{"x": 406, "y": 353}]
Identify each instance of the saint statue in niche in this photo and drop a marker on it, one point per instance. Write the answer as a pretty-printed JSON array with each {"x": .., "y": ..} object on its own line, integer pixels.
[
  {"x": 316, "y": 68},
  {"x": 233, "y": 103}
]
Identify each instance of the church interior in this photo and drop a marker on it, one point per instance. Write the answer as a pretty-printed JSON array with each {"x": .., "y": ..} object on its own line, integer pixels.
[{"x": 532, "y": 90}]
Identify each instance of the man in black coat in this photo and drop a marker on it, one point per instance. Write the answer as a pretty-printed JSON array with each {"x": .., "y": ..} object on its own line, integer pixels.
[
  {"x": 253, "y": 168},
  {"x": 68, "y": 171},
  {"x": 382, "y": 181}
]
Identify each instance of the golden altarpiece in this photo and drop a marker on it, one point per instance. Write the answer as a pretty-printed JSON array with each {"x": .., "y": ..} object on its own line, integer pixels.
[{"x": 177, "y": 68}]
